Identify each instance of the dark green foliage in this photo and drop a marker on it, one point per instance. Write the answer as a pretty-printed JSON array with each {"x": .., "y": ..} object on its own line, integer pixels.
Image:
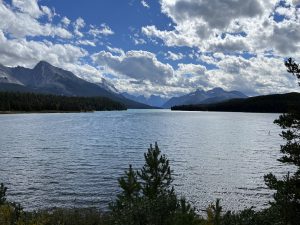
[
  {"x": 287, "y": 195},
  {"x": 185, "y": 214},
  {"x": 279, "y": 103},
  {"x": 293, "y": 67},
  {"x": 251, "y": 217},
  {"x": 124, "y": 208},
  {"x": 155, "y": 175},
  {"x": 30, "y": 102},
  {"x": 148, "y": 196},
  {"x": 3, "y": 190},
  {"x": 217, "y": 209},
  {"x": 129, "y": 185}
]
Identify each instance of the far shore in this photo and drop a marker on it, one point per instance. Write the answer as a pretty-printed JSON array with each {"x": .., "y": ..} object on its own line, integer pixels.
[{"x": 50, "y": 111}]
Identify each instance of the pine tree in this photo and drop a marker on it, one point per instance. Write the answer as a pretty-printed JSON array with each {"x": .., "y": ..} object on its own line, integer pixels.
[
  {"x": 129, "y": 184},
  {"x": 156, "y": 178},
  {"x": 147, "y": 196},
  {"x": 160, "y": 201},
  {"x": 287, "y": 196},
  {"x": 126, "y": 209}
]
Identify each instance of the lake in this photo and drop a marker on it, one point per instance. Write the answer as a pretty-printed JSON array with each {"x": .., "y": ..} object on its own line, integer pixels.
[{"x": 74, "y": 160}]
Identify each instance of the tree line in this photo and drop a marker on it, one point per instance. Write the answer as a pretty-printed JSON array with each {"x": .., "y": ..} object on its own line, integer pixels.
[
  {"x": 32, "y": 102},
  {"x": 277, "y": 103}
]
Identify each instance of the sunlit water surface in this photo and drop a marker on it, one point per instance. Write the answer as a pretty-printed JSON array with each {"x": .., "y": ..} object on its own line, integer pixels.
[{"x": 74, "y": 160}]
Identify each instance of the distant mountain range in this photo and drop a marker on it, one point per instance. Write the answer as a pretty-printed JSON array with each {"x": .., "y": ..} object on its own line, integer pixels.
[
  {"x": 48, "y": 79},
  {"x": 152, "y": 100},
  {"x": 204, "y": 97},
  {"x": 277, "y": 103}
]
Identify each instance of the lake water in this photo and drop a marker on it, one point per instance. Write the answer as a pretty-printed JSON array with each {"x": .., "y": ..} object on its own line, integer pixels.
[{"x": 74, "y": 160}]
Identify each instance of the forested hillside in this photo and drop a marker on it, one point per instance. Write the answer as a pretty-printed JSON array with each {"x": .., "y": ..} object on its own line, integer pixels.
[
  {"x": 279, "y": 103},
  {"x": 32, "y": 102}
]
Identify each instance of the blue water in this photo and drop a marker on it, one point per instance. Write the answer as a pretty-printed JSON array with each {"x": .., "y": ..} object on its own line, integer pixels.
[{"x": 74, "y": 160}]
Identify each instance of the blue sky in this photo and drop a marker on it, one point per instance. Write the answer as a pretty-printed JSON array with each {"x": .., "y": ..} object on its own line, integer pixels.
[{"x": 162, "y": 47}]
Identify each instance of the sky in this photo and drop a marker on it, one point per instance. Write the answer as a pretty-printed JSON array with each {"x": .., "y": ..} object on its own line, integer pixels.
[{"x": 160, "y": 47}]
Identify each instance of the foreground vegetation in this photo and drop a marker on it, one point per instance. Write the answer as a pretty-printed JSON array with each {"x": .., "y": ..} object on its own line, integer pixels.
[
  {"x": 32, "y": 102},
  {"x": 147, "y": 196}
]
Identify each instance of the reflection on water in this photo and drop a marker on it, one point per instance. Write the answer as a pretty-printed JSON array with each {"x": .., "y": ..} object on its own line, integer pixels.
[{"x": 55, "y": 160}]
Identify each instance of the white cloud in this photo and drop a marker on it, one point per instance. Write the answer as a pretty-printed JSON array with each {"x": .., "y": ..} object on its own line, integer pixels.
[
  {"x": 65, "y": 21},
  {"x": 258, "y": 75},
  {"x": 78, "y": 24},
  {"x": 29, "y": 7},
  {"x": 47, "y": 11},
  {"x": 27, "y": 53},
  {"x": 174, "y": 56},
  {"x": 86, "y": 43},
  {"x": 21, "y": 24},
  {"x": 103, "y": 30},
  {"x": 230, "y": 26},
  {"x": 140, "y": 65},
  {"x": 170, "y": 38},
  {"x": 217, "y": 14},
  {"x": 145, "y": 4}
]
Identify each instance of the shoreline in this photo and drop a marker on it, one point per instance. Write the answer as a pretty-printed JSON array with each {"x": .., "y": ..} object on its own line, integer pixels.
[{"x": 49, "y": 111}]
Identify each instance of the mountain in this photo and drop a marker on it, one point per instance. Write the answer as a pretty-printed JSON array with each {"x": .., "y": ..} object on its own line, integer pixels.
[
  {"x": 48, "y": 79},
  {"x": 108, "y": 86},
  {"x": 152, "y": 100},
  {"x": 277, "y": 103},
  {"x": 205, "y": 97}
]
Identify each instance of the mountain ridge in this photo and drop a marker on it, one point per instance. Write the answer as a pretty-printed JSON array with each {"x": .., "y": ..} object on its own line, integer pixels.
[
  {"x": 200, "y": 96},
  {"x": 48, "y": 79}
]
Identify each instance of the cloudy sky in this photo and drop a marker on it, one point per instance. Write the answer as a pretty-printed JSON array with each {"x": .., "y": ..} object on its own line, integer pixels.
[{"x": 164, "y": 47}]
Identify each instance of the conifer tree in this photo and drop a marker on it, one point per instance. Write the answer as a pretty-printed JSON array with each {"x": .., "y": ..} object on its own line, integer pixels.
[
  {"x": 147, "y": 196},
  {"x": 129, "y": 184},
  {"x": 160, "y": 201},
  {"x": 287, "y": 196},
  {"x": 156, "y": 178},
  {"x": 126, "y": 209}
]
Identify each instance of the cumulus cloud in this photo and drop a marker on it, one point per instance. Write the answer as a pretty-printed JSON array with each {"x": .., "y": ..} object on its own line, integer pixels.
[
  {"x": 24, "y": 23},
  {"x": 230, "y": 26},
  {"x": 174, "y": 56},
  {"x": 140, "y": 65},
  {"x": 86, "y": 43},
  {"x": 145, "y": 4},
  {"x": 215, "y": 13},
  {"x": 103, "y": 30},
  {"x": 257, "y": 75},
  {"x": 78, "y": 24},
  {"x": 27, "y": 53},
  {"x": 29, "y": 7},
  {"x": 65, "y": 21},
  {"x": 47, "y": 11}
]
